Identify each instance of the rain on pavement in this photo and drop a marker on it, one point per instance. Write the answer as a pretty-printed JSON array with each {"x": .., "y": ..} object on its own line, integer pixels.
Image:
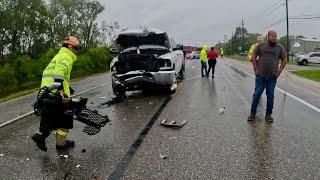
[{"x": 211, "y": 145}]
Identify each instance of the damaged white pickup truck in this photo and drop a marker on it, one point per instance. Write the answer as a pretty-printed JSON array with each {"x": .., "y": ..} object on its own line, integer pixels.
[{"x": 146, "y": 58}]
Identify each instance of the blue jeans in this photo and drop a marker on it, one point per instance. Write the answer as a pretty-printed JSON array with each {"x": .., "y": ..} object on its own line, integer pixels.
[
  {"x": 203, "y": 67},
  {"x": 263, "y": 83}
]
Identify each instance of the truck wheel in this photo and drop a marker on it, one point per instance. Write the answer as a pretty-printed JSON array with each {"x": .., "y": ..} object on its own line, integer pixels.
[
  {"x": 118, "y": 91},
  {"x": 181, "y": 73},
  {"x": 304, "y": 62}
]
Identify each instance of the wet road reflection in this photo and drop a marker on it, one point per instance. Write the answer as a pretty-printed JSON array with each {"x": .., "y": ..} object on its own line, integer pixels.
[{"x": 260, "y": 153}]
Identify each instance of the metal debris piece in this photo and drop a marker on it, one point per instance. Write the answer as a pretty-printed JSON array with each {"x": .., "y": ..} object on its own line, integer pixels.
[
  {"x": 163, "y": 156},
  {"x": 221, "y": 110},
  {"x": 66, "y": 156},
  {"x": 77, "y": 166},
  {"x": 1, "y": 155},
  {"x": 172, "y": 124},
  {"x": 115, "y": 100}
]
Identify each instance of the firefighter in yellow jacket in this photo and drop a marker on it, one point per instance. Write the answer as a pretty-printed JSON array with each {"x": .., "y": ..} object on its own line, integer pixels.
[
  {"x": 58, "y": 71},
  {"x": 253, "y": 47}
]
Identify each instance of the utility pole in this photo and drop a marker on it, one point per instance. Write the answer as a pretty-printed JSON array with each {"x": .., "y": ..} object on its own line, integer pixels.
[
  {"x": 242, "y": 24},
  {"x": 287, "y": 12}
]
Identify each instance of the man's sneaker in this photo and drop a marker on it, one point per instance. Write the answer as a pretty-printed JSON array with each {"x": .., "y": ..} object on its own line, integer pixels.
[
  {"x": 69, "y": 144},
  {"x": 40, "y": 141},
  {"x": 269, "y": 118},
  {"x": 212, "y": 77},
  {"x": 251, "y": 117}
]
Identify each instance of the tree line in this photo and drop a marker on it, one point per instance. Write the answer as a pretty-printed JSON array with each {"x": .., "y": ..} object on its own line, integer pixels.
[
  {"x": 31, "y": 32},
  {"x": 242, "y": 40},
  {"x": 30, "y": 27}
]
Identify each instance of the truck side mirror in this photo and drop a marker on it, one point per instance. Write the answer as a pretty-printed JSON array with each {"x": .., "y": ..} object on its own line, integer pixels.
[{"x": 178, "y": 47}]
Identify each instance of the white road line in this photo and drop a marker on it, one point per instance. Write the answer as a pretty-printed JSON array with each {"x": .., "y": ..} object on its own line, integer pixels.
[
  {"x": 281, "y": 90},
  {"x": 31, "y": 112},
  {"x": 195, "y": 77}
]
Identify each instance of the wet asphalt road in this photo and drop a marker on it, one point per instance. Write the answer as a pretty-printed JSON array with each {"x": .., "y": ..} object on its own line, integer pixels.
[{"x": 209, "y": 146}]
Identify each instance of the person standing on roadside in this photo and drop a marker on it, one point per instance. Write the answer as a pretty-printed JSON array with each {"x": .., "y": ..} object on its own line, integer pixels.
[
  {"x": 221, "y": 52},
  {"x": 267, "y": 71},
  {"x": 212, "y": 56},
  {"x": 204, "y": 59},
  {"x": 253, "y": 47}
]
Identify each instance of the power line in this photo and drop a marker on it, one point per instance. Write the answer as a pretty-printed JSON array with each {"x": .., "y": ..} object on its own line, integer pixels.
[
  {"x": 306, "y": 15},
  {"x": 262, "y": 11},
  {"x": 318, "y": 17},
  {"x": 258, "y": 18},
  {"x": 274, "y": 23}
]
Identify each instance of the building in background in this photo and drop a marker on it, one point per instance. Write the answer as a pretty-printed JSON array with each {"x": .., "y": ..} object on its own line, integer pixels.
[{"x": 303, "y": 45}]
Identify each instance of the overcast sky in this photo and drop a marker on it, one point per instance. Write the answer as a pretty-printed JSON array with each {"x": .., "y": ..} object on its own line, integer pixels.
[{"x": 207, "y": 21}]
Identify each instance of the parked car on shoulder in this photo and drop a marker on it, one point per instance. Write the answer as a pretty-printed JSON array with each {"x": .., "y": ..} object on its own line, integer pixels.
[
  {"x": 305, "y": 59},
  {"x": 146, "y": 58}
]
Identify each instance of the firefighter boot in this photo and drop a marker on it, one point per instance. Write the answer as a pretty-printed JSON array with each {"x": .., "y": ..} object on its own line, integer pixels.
[{"x": 40, "y": 140}]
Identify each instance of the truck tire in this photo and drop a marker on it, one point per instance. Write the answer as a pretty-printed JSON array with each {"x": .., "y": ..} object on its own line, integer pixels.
[{"x": 304, "y": 62}]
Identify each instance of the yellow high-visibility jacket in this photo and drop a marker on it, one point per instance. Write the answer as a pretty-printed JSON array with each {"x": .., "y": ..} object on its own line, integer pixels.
[
  {"x": 59, "y": 68},
  {"x": 221, "y": 51},
  {"x": 203, "y": 54},
  {"x": 251, "y": 51}
]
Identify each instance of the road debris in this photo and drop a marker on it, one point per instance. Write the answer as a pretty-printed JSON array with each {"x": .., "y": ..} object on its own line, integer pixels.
[
  {"x": 150, "y": 103},
  {"x": 103, "y": 97},
  {"x": 65, "y": 156},
  {"x": 172, "y": 138},
  {"x": 94, "y": 173},
  {"x": 163, "y": 156},
  {"x": 83, "y": 150},
  {"x": 172, "y": 124},
  {"x": 77, "y": 166},
  {"x": 221, "y": 110},
  {"x": 28, "y": 159},
  {"x": 115, "y": 100},
  {"x": 1, "y": 155}
]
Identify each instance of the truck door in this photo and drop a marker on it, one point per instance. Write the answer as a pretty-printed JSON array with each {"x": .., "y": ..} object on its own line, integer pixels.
[{"x": 313, "y": 58}]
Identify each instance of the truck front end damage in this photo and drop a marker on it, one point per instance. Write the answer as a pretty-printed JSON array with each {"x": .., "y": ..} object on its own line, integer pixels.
[{"x": 140, "y": 71}]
